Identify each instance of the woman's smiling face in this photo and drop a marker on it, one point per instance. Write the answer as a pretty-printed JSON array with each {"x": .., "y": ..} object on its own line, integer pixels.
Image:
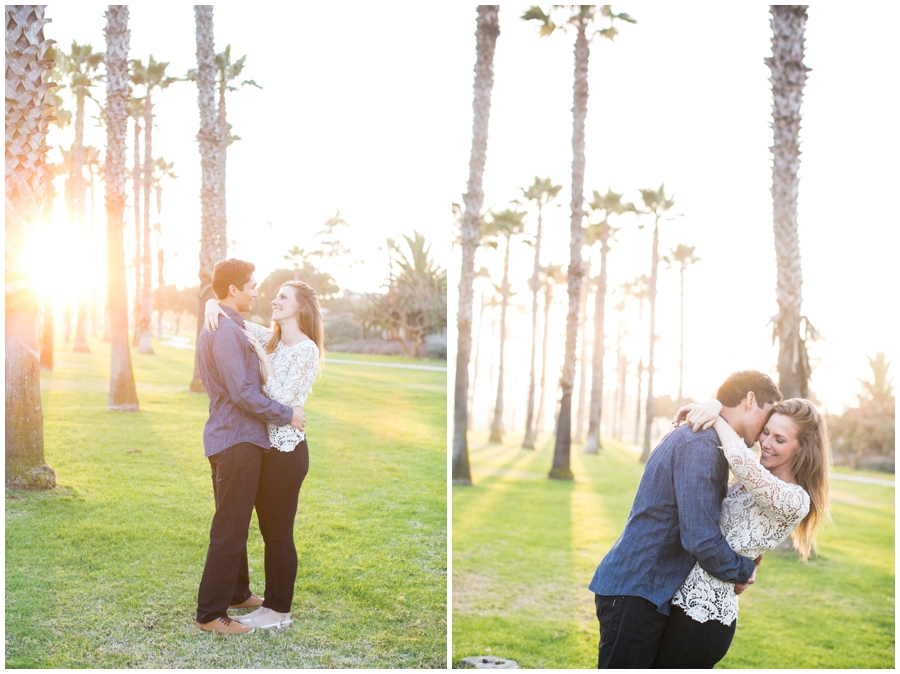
[
  {"x": 778, "y": 443},
  {"x": 285, "y": 304}
]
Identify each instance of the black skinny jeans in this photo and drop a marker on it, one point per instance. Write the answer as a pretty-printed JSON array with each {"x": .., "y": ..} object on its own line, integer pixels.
[
  {"x": 280, "y": 479},
  {"x": 688, "y": 644}
]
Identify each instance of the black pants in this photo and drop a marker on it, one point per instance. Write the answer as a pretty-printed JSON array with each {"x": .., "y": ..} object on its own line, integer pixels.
[
  {"x": 687, "y": 643},
  {"x": 276, "y": 507},
  {"x": 630, "y": 632},
  {"x": 225, "y": 581}
]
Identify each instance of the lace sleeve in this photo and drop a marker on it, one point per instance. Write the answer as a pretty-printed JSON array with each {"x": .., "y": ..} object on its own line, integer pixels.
[
  {"x": 291, "y": 385},
  {"x": 263, "y": 334},
  {"x": 781, "y": 500}
]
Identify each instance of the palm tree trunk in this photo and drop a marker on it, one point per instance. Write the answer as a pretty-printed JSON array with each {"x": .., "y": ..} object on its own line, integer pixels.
[
  {"x": 28, "y": 187},
  {"x": 651, "y": 403},
  {"x": 528, "y": 441},
  {"x": 222, "y": 125},
  {"x": 488, "y": 28},
  {"x": 122, "y": 391},
  {"x": 548, "y": 298},
  {"x": 561, "y": 452},
  {"x": 497, "y": 425},
  {"x": 788, "y": 78},
  {"x": 78, "y": 188},
  {"x": 136, "y": 180},
  {"x": 583, "y": 359},
  {"x": 593, "y": 439},
  {"x": 475, "y": 362},
  {"x": 147, "y": 289},
  {"x": 209, "y": 145}
]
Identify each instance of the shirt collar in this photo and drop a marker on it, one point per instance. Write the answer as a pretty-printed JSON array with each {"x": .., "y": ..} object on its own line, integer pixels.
[{"x": 233, "y": 315}]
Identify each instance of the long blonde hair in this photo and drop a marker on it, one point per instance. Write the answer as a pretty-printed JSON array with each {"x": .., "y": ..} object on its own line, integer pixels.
[
  {"x": 309, "y": 318},
  {"x": 810, "y": 466}
]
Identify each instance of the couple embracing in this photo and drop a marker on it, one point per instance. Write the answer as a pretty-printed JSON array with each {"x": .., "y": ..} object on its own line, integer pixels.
[
  {"x": 257, "y": 380},
  {"x": 667, "y": 592}
]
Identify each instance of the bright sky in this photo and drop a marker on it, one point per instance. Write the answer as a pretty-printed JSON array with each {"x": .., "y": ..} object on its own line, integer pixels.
[
  {"x": 345, "y": 120},
  {"x": 684, "y": 98}
]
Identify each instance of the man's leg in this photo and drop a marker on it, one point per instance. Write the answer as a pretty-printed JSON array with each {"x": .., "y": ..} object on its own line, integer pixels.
[
  {"x": 630, "y": 632},
  {"x": 237, "y": 474},
  {"x": 242, "y": 588}
]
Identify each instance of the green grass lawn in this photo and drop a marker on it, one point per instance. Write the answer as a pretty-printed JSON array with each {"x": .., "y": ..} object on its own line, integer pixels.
[
  {"x": 525, "y": 549},
  {"x": 103, "y": 571}
]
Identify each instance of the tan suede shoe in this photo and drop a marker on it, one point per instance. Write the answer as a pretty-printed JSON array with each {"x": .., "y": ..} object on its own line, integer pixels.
[
  {"x": 225, "y": 626},
  {"x": 250, "y": 602}
]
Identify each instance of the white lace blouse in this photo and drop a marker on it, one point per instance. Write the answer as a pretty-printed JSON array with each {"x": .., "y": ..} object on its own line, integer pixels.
[
  {"x": 758, "y": 512},
  {"x": 295, "y": 371}
]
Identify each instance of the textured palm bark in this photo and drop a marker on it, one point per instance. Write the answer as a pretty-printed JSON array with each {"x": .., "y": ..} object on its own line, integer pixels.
[
  {"x": 208, "y": 139},
  {"x": 486, "y": 33},
  {"x": 122, "y": 391},
  {"x": 650, "y": 412},
  {"x": 221, "y": 172},
  {"x": 788, "y": 76},
  {"x": 144, "y": 345},
  {"x": 592, "y": 445},
  {"x": 136, "y": 181},
  {"x": 28, "y": 178},
  {"x": 497, "y": 425},
  {"x": 561, "y": 453}
]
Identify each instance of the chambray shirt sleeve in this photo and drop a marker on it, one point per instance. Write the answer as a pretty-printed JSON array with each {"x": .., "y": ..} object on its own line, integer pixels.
[
  {"x": 243, "y": 387},
  {"x": 698, "y": 494}
]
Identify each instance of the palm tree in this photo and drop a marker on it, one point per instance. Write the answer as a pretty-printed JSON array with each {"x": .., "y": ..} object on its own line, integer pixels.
[
  {"x": 503, "y": 225},
  {"x": 150, "y": 77},
  {"x": 136, "y": 111},
  {"x": 788, "y": 78},
  {"x": 481, "y": 273},
  {"x": 228, "y": 72},
  {"x": 122, "y": 391},
  {"x": 488, "y": 28},
  {"x": 658, "y": 205},
  {"x": 581, "y": 17},
  {"x": 552, "y": 275},
  {"x": 542, "y": 192},
  {"x": 583, "y": 358},
  {"x": 638, "y": 289},
  {"x": 80, "y": 70},
  {"x": 28, "y": 185},
  {"x": 684, "y": 256},
  {"x": 622, "y": 364},
  {"x": 161, "y": 171},
  {"x": 208, "y": 138},
  {"x": 603, "y": 205}
]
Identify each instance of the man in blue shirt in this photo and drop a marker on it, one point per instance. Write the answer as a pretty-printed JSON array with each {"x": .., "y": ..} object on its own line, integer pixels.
[
  {"x": 674, "y": 522},
  {"x": 234, "y": 440}
]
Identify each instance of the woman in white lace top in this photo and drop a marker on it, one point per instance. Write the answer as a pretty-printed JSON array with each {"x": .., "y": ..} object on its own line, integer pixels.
[
  {"x": 782, "y": 493},
  {"x": 289, "y": 356}
]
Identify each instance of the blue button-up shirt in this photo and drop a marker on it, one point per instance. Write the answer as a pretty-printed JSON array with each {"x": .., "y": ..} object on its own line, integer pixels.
[
  {"x": 673, "y": 523},
  {"x": 238, "y": 409}
]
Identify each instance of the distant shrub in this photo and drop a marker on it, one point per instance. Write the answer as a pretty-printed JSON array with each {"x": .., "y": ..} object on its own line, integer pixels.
[{"x": 341, "y": 330}]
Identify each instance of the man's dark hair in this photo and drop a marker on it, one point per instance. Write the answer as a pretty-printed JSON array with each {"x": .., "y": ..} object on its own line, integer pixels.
[
  {"x": 231, "y": 272},
  {"x": 736, "y": 387}
]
